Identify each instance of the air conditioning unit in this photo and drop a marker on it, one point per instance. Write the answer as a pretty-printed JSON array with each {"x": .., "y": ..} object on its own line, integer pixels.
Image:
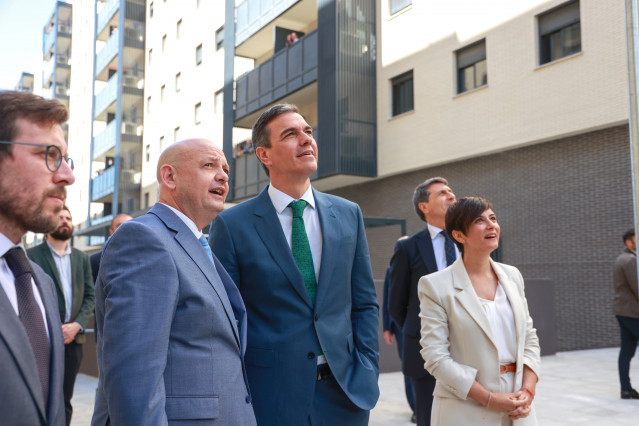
[
  {"x": 62, "y": 59},
  {"x": 130, "y": 80},
  {"x": 129, "y": 128},
  {"x": 62, "y": 90},
  {"x": 64, "y": 28}
]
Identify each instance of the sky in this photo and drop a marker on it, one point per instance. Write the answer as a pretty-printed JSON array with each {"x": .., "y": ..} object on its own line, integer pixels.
[{"x": 21, "y": 26}]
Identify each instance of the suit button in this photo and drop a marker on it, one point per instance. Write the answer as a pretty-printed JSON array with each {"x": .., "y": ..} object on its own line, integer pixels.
[
  {"x": 248, "y": 399},
  {"x": 316, "y": 318},
  {"x": 310, "y": 355}
]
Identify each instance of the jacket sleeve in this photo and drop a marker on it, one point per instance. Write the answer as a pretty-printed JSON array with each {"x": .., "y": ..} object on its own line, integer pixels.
[
  {"x": 532, "y": 352},
  {"x": 386, "y": 320},
  {"x": 399, "y": 285},
  {"x": 86, "y": 309},
  {"x": 223, "y": 246},
  {"x": 630, "y": 273}
]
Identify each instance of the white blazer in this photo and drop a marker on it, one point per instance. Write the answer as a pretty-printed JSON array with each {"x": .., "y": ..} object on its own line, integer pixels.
[{"x": 458, "y": 345}]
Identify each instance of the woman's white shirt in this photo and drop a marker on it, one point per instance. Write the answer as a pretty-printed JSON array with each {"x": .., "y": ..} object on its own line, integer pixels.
[{"x": 502, "y": 322}]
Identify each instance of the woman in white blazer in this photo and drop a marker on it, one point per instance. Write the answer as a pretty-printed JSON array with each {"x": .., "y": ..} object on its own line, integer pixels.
[{"x": 477, "y": 336}]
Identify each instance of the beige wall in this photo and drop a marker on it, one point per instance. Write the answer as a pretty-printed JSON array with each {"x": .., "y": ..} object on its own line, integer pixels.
[{"x": 523, "y": 103}]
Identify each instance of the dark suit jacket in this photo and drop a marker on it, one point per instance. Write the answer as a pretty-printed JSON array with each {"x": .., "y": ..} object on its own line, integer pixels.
[
  {"x": 95, "y": 264},
  {"x": 81, "y": 283},
  {"x": 387, "y": 321},
  {"x": 285, "y": 329},
  {"x": 21, "y": 400},
  {"x": 413, "y": 258}
]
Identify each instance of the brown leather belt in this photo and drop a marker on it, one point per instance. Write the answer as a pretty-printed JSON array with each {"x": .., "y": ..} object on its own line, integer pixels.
[{"x": 507, "y": 368}]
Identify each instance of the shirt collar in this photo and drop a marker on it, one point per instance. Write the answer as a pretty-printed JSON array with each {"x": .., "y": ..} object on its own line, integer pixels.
[
  {"x": 188, "y": 222},
  {"x": 6, "y": 244},
  {"x": 281, "y": 200},
  {"x": 54, "y": 251},
  {"x": 434, "y": 231}
]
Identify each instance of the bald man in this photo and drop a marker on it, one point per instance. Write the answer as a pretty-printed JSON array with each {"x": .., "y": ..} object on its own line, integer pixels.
[{"x": 170, "y": 323}]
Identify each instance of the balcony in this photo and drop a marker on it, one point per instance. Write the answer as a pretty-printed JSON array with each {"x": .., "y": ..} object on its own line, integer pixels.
[
  {"x": 107, "y": 96},
  {"x": 106, "y": 140},
  {"x": 253, "y": 15},
  {"x": 103, "y": 185},
  {"x": 47, "y": 73},
  {"x": 107, "y": 12},
  {"x": 61, "y": 91},
  {"x": 287, "y": 71},
  {"x": 49, "y": 40},
  {"x": 108, "y": 52},
  {"x": 64, "y": 28},
  {"x": 248, "y": 176}
]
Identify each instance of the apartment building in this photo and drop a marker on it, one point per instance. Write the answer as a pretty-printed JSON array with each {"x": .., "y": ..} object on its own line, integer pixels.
[
  {"x": 26, "y": 83},
  {"x": 524, "y": 103}
]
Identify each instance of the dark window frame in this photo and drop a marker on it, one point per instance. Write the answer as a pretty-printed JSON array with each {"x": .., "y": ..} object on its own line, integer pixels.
[
  {"x": 471, "y": 59},
  {"x": 198, "y": 54},
  {"x": 402, "y": 94},
  {"x": 219, "y": 38},
  {"x": 559, "y": 32}
]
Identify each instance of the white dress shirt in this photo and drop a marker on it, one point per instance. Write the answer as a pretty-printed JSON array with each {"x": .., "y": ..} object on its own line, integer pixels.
[
  {"x": 8, "y": 282},
  {"x": 281, "y": 201},
  {"x": 63, "y": 265},
  {"x": 439, "y": 248},
  {"x": 502, "y": 322}
]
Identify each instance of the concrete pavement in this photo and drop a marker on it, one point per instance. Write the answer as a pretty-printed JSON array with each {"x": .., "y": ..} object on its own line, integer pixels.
[{"x": 576, "y": 388}]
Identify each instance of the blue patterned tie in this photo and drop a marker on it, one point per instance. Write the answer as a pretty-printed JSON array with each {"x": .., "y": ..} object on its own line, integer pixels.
[
  {"x": 449, "y": 248},
  {"x": 207, "y": 248}
]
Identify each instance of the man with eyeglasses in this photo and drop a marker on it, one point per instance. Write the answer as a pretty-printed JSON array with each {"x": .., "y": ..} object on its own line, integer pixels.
[{"x": 35, "y": 172}]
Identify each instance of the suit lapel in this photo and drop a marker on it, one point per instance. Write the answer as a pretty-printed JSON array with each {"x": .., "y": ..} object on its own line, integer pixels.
[
  {"x": 425, "y": 247},
  {"x": 268, "y": 227},
  {"x": 510, "y": 288},
  {"x": 331, "y": 230},
  {"x": 468, "y": 298}
]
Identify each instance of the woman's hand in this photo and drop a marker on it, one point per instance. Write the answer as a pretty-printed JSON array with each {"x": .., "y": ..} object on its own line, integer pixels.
[
  {"x": 507, "y": 403},
  {"x": 523, "y": 410}
]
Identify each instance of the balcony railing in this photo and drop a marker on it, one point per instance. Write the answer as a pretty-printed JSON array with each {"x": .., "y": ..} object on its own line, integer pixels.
[
  {"x": 49, "y": 39},
  {"x": 252, "y": 15},
  {"x": 287, "y": 71},
  {"x": 107, "y": 53},
  {"x": 103, "y": 185},
  {"x": 106, "y": 13},
  {"x": 49, "y": 67},
  {"x": 105, "y": 140},
  {"x": 107, "y": 96}
]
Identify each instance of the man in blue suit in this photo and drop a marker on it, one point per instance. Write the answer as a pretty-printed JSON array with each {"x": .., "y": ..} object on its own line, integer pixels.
[
  {"x": 301, "y": 261},
  {"x": 170, "y": 323},
  {"x": 35, "y": 172}
]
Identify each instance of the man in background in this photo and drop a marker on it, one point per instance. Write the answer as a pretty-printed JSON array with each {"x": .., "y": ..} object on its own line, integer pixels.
[{"x": 97, "y": 256}]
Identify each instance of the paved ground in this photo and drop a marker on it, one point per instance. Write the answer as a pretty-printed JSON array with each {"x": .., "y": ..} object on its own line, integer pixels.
[{"x": 577, "y": 388}]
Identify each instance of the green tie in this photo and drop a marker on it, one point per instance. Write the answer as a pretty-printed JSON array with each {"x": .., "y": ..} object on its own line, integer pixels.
[{"x": 302, "y": 249}]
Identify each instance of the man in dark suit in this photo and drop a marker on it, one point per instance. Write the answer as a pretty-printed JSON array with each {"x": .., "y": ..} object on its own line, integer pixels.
[
  {"x": 69, "y": 268},
  {"x": 301, "y": 261},
  {"x": 35, "y": 172},
  {"x": 423, "y": 253},
  {"x": 97, "y": 256},
  {"x": 626, "y": 308},
  {"x": 171, "y": 324}
]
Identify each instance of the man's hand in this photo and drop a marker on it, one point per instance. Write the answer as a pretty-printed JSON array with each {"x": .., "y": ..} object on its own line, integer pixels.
[
  {"x": 69, "y": 331},
  {"x": 388, "y": 337}
]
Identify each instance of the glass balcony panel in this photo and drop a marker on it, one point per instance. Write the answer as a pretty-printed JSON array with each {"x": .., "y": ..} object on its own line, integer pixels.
[
  {"x": 49, "y": 39},
  {"x": 252, "y": 15},
  {"x": 107, "y": 96},
  {"x": 49, "y": 67},
  {"x": 106, "y": 13},
  {"x": 107, "y": 53},
  {"x": 105, "y": 140},
  {"x": 103, "y": 185}
]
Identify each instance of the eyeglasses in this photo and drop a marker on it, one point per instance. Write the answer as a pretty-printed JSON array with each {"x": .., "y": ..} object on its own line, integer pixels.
[{"x": 53, "y": 155}]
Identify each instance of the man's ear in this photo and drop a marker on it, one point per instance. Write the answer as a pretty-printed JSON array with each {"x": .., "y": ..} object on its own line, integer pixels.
[
  {"x": 168, "y": 174},
  {"x": 423, "y": 207},
  {"x": 263, "y": 155}
]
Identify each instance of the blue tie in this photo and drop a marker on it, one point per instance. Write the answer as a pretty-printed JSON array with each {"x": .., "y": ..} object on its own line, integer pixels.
[
  {"x": 449, "y": 248},
  {"x": 207, "y": 248}
]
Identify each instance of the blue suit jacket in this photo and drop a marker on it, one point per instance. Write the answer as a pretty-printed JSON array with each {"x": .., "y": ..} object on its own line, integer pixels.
[
  {"x": 21, "y": 401},
  {"x": 170, "y": 330},
  {"x": 285, "y": 329}
]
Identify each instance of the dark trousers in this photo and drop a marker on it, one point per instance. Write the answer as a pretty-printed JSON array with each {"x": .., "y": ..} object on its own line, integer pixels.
[
  {"x": 629, "y": 336},
  {"x": 408, "y": 385},
  {"x": 72, "y": 361},
  {"x": 332, "y": 407},
  {"x": 424, "y": 388}
]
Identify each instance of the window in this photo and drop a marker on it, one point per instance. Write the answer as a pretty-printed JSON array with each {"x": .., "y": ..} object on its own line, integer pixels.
[
  {"x": 402, "y": 93},
  {"x": 198, "y": 55},
  {"x": 559, "y": 32},
  {"x": 398, "y": 5},
  {"x": 147, "y": 152},
  {"x": 146, "y": 200},
  {"x": 176, "y": 134},
  {"x": 148, "y": 105},
  {"x": 177, "y": 81},
  {"x": 151, "y": 10},
  {"x": 178, "y": 28},
  {"x": 219, "y": 38},
  {"x": 162, "y": 92},
  {"x": 150, "y": 55},
  {"x": 198, "y": 108},
  {"x": 218, "y": 108},
  {"x": 163, "y": 42},
  {"x": 471, "y": 67}
]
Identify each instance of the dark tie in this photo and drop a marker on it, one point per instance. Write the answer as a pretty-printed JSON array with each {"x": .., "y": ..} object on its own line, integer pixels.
[
  {"x": 206, "y": 246},
  {"x": 31, "y": 315},
  {"x": 302, "y": 249},
  {"x": 449, "y": 248}
]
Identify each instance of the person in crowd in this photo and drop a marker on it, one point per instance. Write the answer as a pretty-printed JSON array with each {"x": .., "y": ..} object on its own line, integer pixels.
[
  {"x": 626, "y": 308},
  {"x": 70, "y": 270},
  {"x": 425, "y": 252},
  {"x": 36, "y": 171},
  {"x": 301, "y": 261},
  {"x": 477, "y": 336},
  {"x": 97, "y": 256},
  {"x": 170, "y": 323}
]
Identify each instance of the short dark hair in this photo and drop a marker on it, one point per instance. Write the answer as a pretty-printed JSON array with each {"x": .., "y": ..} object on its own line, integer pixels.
[
  {"x": 628, "y": 235},
  {"x": 260, "y": 135},
  {"x": 461, "y": 214},
  {"x": 421, "y": 194},
  {"x": 15, "y": 105}
]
